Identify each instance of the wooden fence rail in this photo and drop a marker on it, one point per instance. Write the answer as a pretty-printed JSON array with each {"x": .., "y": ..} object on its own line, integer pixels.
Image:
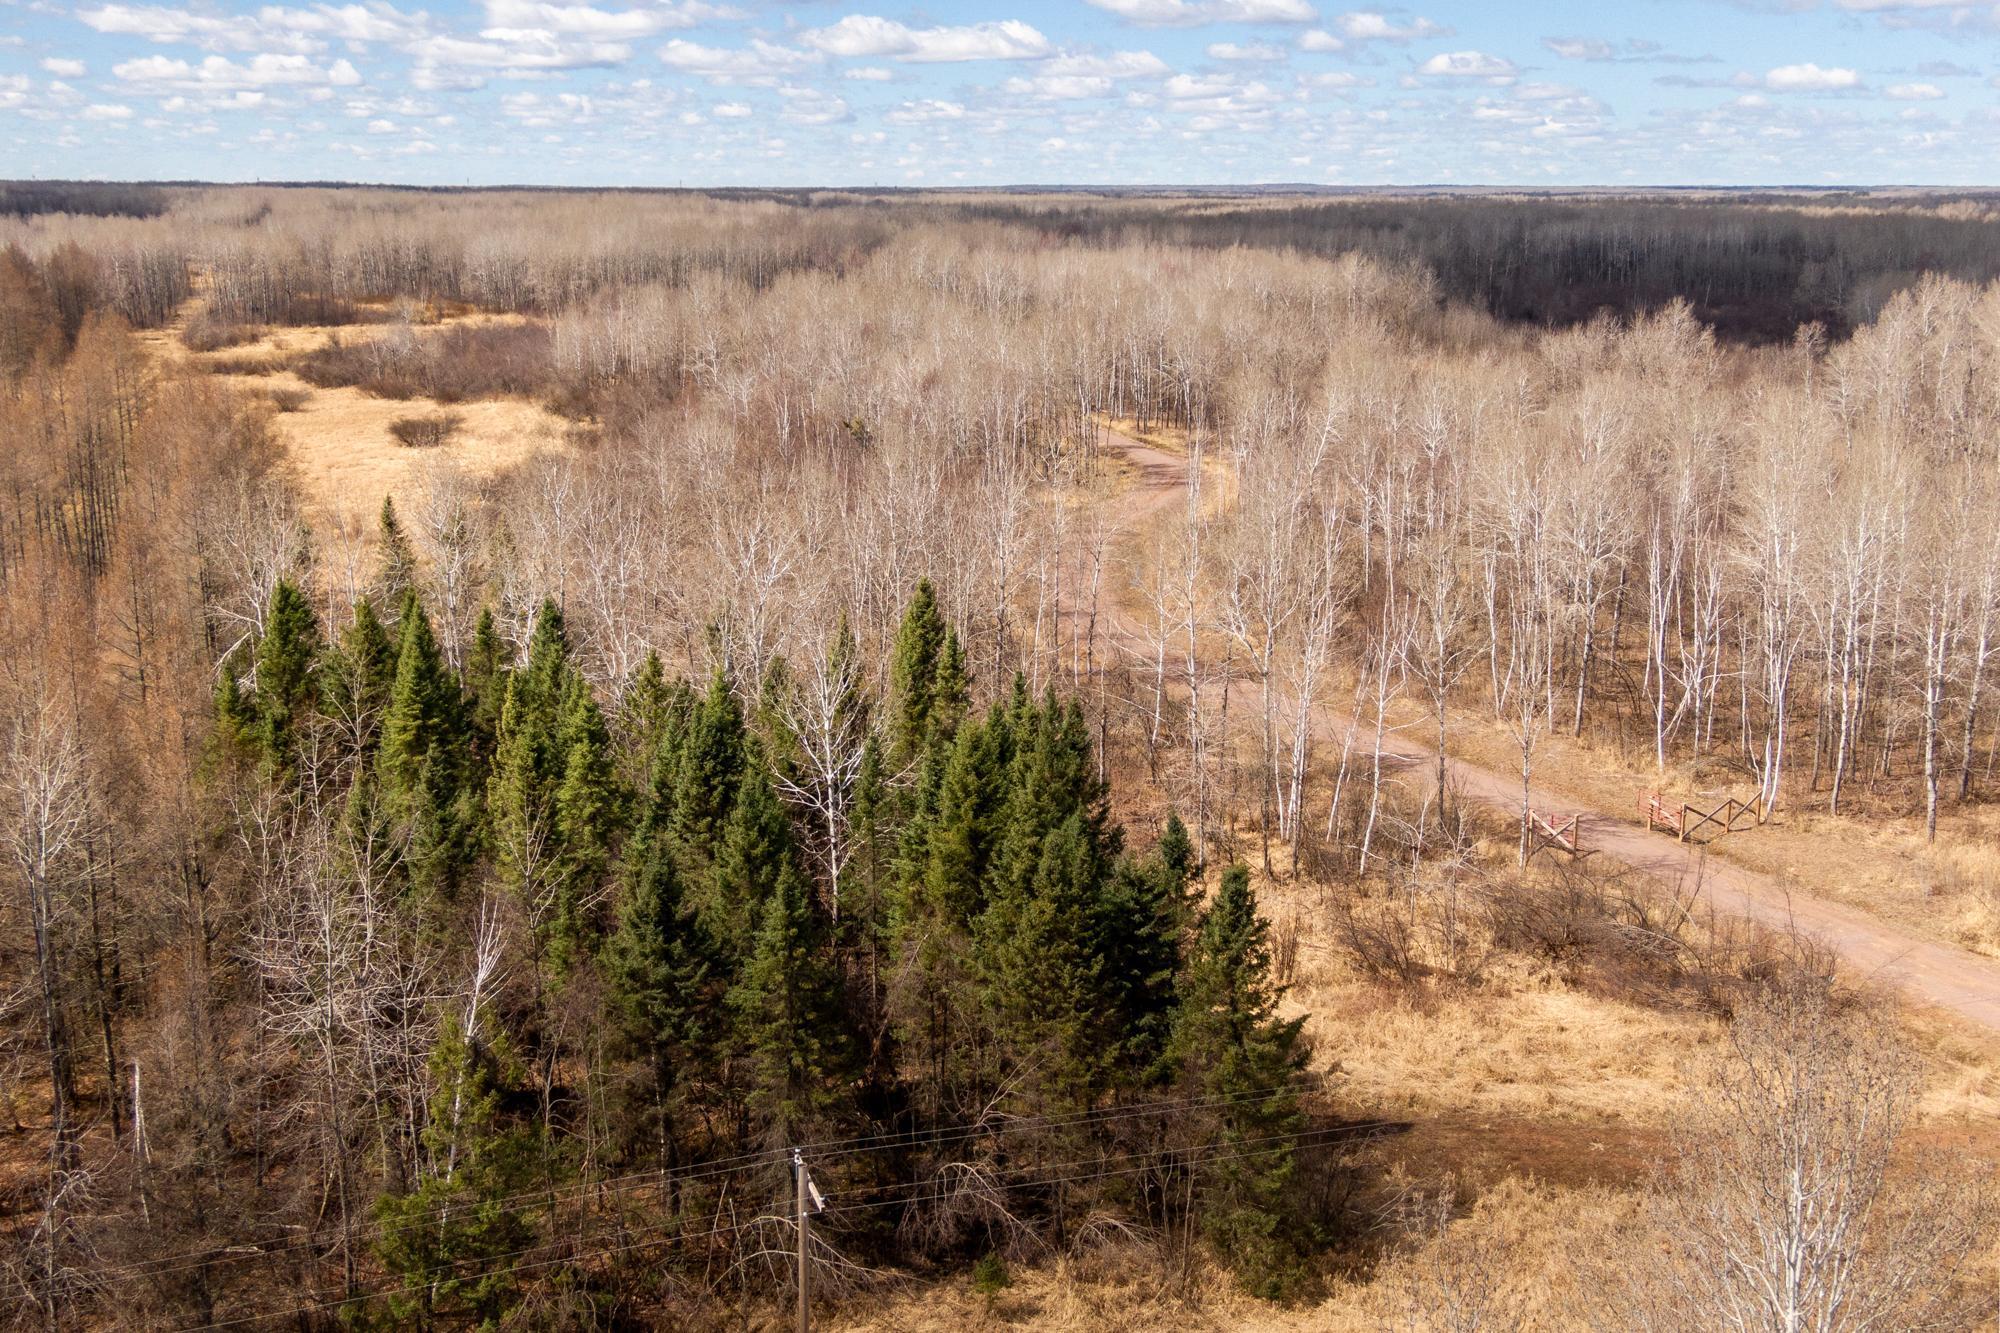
[{"x": 1685, "y": 820}]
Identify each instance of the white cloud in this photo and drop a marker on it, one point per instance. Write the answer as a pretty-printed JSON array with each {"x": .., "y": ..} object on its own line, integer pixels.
[
  {"x": 14, "y": 91},
  {"x": 107, "y": 111},
  {"x": 542, "y": 111},
  {"x": 1219, "y": 95},
  {"x": 731, "y": 110},
  {"x": 811, "y": 106},
  {"x": 1336, "y": 81},
  {"x": 347, "y": 23},
  {"x": 589, "y": 21},
  {"x": 1320, "y": 40},
  {"x": 1467, "y": 65},
  {"x": 1193, "y": 13},
  {"x": 516, "y": 49},
  {"x": 926, "y": 111},
  {"x": 1245, "y": 51},
  {"x": 759, "y": 62},
  {"x": 243, "y": 99},
  {"x": 868, "y": 74},
  {"x": 1810, "y": 78},
  {"x": 867, "y": 35},
  {"x": 1581, "y": 48},
  {"x": 272, "y": 29},
  {"x": 1117, "y": 65},
  {"x": 65, "y": 69},
  {"x": 217, "y": 74},
  {"x": 1914, "y": 92},
  {"x": 1368, "y": 25},
  {"x": 173, "y": 25},
  {"x": 1058, "y": 87}
]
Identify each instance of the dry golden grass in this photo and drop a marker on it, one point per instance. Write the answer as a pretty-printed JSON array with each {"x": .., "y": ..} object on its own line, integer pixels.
[
  {"x": 1117, "y": 1289},
  {"x": 345, "y": 460},
  {"x": 1503, "y": 1052},
  {"x": 296, "y": 340},
  {"x": 1515, "y": 1248},
  {"x": 1538, "y": 1228},
  {"x": 338, "y": 443}
]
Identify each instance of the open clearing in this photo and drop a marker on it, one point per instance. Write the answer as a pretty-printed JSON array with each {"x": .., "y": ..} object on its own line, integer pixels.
[{"x": 337, "y": 440}]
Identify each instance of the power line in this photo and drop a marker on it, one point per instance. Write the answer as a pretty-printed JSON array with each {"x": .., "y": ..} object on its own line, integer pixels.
[
  {"x": 237, "y": 1251},
  {"x": 945, "y": 1134},
  {"x": 1275, "y": 1144}
]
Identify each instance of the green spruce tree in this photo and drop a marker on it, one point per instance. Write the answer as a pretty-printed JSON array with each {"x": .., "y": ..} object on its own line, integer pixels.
[
  {"x": 588, "y": 808},
  {"x": 787, "y": 1015},
  {"x": 656, "y": 969},
  {"x": 754, "y": 853},
  {"x": 913, "y": 670},
  {"x": 1230, "y": 1048},
  {"x": 287, "y": 676},
  {"x": 423, "y": 768},
  {"x": 396, "y": 565},
  {"x": 450, "y": 1237},
  {"x": 708, "y": 771},
  {"x": 357, "y": 679},
  {"x": 485, "y": 681},
  {"x": 1040, "y": 977}
]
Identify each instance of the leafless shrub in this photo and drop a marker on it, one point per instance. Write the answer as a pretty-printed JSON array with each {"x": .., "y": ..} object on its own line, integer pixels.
[
  {"x": 1382, "y": 938},
  {"x": 205, "y": 333},
  {"x": 1423, "y": 927},
  {"x": 459, "y": 364},
  {"x": 288, "y": 399},
  {"x": 1455, "y": 1279},
  {"x": 426, "y": 432},
  {"x": 1789, "y": 1201},
  {"x": 958, "y": 1200},
  {"x": 1285, "y": 948}
]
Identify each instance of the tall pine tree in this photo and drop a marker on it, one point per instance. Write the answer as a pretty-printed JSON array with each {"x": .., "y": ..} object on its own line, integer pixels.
[
  {"x": 1229, "y": 1047},
  {"x": 287, "y": 676},
  {"x": 787, "y": 1015},
  {"x": 656, "y": 967},
  {"x": 423, "y": 765},
  {"x": 396, "y": 572},
  {"x": 356, "y": 679},
  {"x": 449, "y": 1237}
]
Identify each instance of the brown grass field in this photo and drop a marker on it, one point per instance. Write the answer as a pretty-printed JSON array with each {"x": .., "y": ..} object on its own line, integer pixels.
[{"x": 341, "y": 454}]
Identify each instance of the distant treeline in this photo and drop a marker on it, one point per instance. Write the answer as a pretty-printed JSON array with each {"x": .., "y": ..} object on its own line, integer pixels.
[
  {"x": 25, "y": 199},
  {"x": 1753, "y": 271}
]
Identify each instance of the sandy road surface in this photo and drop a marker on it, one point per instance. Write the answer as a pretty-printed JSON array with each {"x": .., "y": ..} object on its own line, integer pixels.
[{"x": 1928, "y": 972}]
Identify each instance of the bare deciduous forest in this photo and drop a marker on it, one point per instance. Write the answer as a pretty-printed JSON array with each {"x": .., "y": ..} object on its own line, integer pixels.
[{"x": 1146, "y": 753}]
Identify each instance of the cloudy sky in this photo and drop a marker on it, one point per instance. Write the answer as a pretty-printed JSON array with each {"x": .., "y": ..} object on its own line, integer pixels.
[{"x": 717, "y": 92}]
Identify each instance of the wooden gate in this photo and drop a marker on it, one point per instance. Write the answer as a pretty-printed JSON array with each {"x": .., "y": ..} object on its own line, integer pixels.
[{"x": 1545, "y": 831}]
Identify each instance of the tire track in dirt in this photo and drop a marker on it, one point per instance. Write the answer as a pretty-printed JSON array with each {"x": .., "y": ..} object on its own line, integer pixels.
[{"x": 1927, "y": 971}]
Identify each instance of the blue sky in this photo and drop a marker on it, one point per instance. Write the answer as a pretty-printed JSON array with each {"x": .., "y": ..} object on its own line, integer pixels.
[{"x": 783, "y": 92}]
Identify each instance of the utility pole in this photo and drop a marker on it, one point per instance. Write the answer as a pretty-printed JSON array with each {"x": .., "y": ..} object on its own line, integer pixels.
[{"x": 805, "y": 1290}]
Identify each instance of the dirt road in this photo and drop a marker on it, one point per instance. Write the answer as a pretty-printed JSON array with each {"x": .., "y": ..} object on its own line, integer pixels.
[{"x": 1950, "y": 978}]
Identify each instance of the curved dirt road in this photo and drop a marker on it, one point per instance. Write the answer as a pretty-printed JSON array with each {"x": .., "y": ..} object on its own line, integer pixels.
[{"x": 1926, "y": 971}]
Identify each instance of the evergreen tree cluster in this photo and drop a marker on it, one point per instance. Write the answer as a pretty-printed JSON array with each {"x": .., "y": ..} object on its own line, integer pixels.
[{"x": 981, "y": 953}]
